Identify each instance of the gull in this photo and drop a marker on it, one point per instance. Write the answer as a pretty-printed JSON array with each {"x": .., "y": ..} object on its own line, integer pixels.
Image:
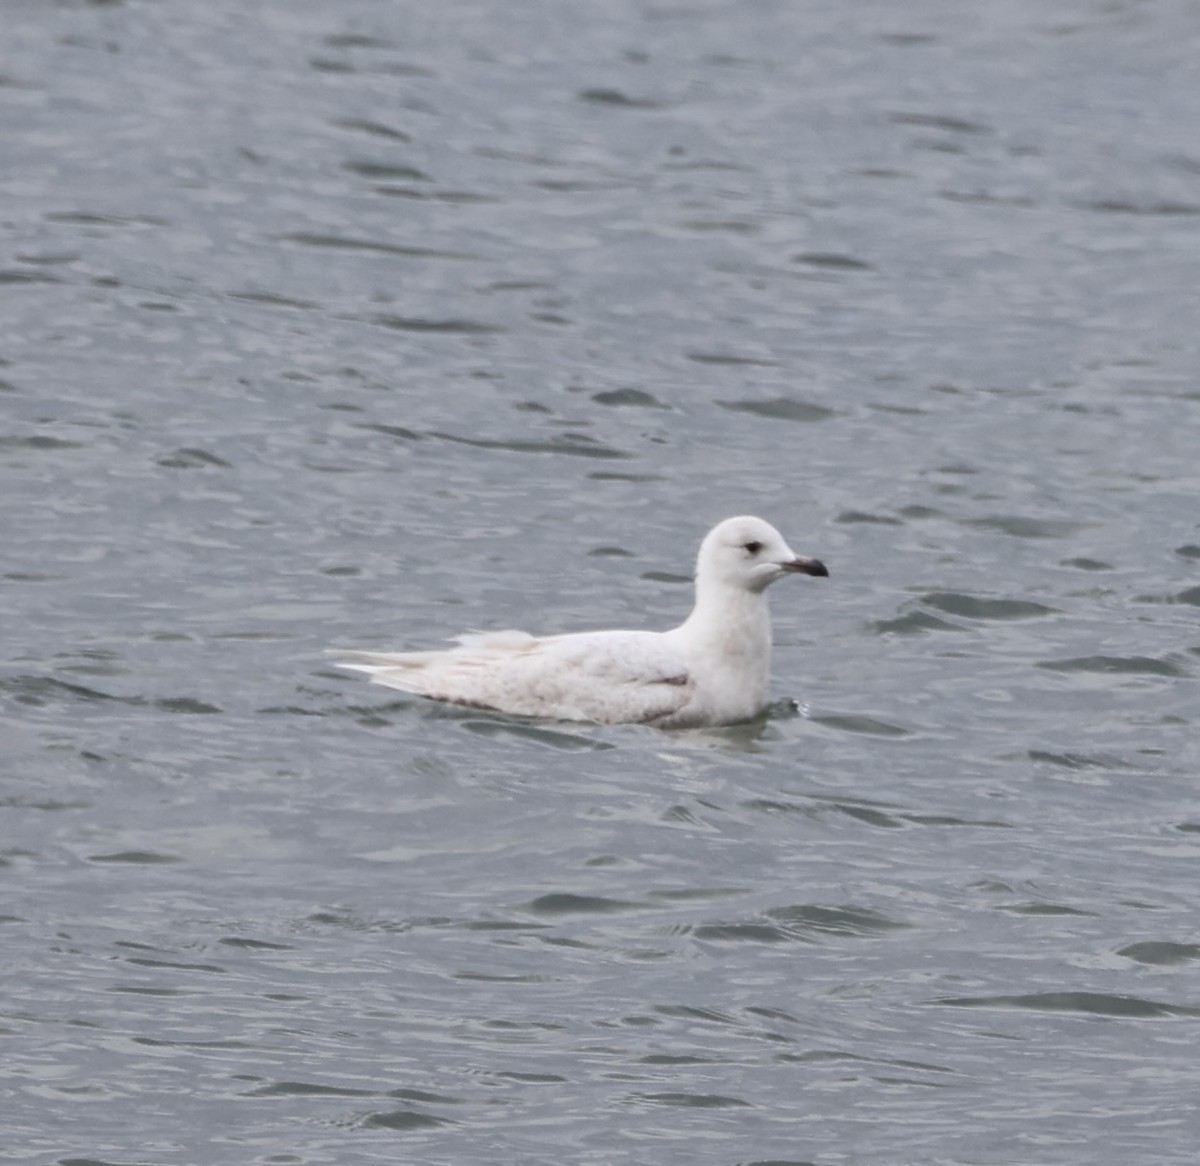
[{"x": 713, "y": 669}]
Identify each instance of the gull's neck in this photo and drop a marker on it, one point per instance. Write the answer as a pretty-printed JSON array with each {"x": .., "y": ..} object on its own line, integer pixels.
[{"x": 731, "y": 626}]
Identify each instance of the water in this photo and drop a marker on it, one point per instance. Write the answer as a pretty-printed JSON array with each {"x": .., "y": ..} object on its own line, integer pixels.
[{"x": 364, "y": 324}]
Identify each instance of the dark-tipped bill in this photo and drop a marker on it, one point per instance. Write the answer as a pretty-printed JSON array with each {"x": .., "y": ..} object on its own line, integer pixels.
[{"x": 804, "y": 566}]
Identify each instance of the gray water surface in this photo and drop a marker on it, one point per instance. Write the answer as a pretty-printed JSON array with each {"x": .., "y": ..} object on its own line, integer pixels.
[{"x": 365, "y": 324}]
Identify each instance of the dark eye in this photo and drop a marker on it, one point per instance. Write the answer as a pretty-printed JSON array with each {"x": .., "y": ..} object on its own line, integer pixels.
[{"x": 753, "y": 546}]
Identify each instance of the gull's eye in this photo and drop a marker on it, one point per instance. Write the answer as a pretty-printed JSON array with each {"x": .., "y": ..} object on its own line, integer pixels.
[{"x": 753, "y": 546}]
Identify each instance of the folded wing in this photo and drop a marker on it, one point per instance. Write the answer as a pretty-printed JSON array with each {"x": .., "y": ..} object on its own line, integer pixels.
[{"x": 606, "y": 677}]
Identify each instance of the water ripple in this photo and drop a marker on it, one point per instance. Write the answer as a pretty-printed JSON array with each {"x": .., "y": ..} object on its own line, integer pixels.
[
  {"x": 573, "y": 444},
  {"x": 1092, "y": 1003},
  {"x": 344, "y": 243},
  {"x": 1117, "y": 665},
  {"x": 781, "y": 409},
  {"x": 1161, "y": 953},
  {"x": 804, "y": 923},
  {"x": 979, "y": 607}
]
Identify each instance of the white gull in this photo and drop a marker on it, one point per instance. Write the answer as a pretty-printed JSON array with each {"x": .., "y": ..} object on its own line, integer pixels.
[{"x": 713, "y": 669}]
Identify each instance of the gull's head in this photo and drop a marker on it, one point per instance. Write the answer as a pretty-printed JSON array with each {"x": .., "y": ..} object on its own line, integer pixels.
[{"x": 750, "y": 554}]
